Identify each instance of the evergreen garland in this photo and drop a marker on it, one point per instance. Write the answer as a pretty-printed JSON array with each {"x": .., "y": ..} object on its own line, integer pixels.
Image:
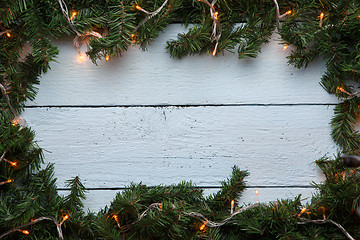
[{"x": 30, "y": 206}]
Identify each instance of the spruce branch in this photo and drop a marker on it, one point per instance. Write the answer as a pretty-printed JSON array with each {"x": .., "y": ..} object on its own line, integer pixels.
[{"x": 73, "y": 201}]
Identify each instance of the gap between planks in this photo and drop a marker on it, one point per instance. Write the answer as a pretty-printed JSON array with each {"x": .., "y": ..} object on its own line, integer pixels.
[
  {"x": 202, "y": 187},
  {"x": 185, "y": 105}
]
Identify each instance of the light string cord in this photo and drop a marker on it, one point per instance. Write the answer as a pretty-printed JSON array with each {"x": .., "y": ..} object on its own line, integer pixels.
[
  {"x": 199, "y": 216},
  {"x": 58, "y": 226},
  {"x": 209, "y": 223},
  {"x": 17, "y": 119},
  {"x": 3, "y": 155},
  {"x": 3, "y": 90},
  {"x": 65, "y": 12},
  {"x": 323, "y": 221},
  {"x": 5, "y": 31},
  {"x": 127, "y": 227},
  {"x": 217, "y": 28},
  {"x": 149, "y": 15},
  {"x": 70, "y": 21},
  {"x": 76, "y": 39},
  {"x": 350, "y": 95},
  {"x": 278, "y": 16}
]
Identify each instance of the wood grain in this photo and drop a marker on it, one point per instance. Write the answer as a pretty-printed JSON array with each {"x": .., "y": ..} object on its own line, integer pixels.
[
  {"x": 152, "y": 78},
  {"x": 110, "y": 147}
]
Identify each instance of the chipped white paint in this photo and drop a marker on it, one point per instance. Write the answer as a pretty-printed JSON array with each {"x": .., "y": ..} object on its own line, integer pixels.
[{"x": 112, "y": 146}]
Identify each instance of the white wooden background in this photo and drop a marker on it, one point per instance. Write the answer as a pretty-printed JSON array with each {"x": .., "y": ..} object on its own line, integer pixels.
[{"x": 147, "y": 117}]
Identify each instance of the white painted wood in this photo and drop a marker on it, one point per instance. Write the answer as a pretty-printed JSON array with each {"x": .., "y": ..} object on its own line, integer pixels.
[
  {"x": 110, "y": 147},
  {"x": 98, "y": 199},
  {"x": 113, "y": 146},
  {"x": 152, "y": 77}
]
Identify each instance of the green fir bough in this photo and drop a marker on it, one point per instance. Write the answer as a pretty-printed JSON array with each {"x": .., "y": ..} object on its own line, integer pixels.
[{"x": 29, "y": 200}]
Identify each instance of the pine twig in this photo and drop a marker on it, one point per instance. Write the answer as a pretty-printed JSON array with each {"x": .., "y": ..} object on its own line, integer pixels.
[
  {"x": 323, "y": 221},
  {"x": 58, "y": 226}
]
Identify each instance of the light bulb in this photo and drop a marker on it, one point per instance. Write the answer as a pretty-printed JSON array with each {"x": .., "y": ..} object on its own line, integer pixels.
[
  {"x": 214, "y": 52},
  {"x": 73, "y": 15}
]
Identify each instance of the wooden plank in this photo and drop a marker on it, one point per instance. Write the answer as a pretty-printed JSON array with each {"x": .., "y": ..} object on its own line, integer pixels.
[
  {"x": 110, "y": 147},
  {"x": 96, "y": 200},
  {"x": 152, "y": 78}
]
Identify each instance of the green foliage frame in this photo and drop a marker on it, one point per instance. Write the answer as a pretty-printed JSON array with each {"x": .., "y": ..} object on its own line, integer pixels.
[{"x": 33, "y": 193}]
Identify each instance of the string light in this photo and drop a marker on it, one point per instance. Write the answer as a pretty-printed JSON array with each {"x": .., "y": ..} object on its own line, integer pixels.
[
  {"x": 8, "y": 34},
  {"x": 214, "y": 52},
  {"x": 107, "y": 58},
  {"x": 217, "y": 29},
  {"x": 81, "y": 57},
  {"x": 232, "y": 206},
  {"x": 285, "y": 14},
  {"x": 340, "y": 89},
  {"x": 7, "y": 181},
  {"x": 202, "y": 227},
  {"x": 215, "y": 49},
  {"x": 34, "y": 221},
  {"x": 141, "y": 9},
  {"x": 65, "y": 217},
  {"x": 302, "y": 211},
  {"x": 285, "y": 47},
  {"x": 14, "y": 164},
  {"x": 73, "y": 14},
  {"x": 19, "y": 121},
  {"x": 344, "y": 91},
  {"x": 150, "y": 14},
  {"x": 116, "y": 220},
  {"x": 16, "y": 120},
  {"x": 257, "y": 195},
  {"x": 321, "y": 19},
  {"x": 132, "y": 38}
]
